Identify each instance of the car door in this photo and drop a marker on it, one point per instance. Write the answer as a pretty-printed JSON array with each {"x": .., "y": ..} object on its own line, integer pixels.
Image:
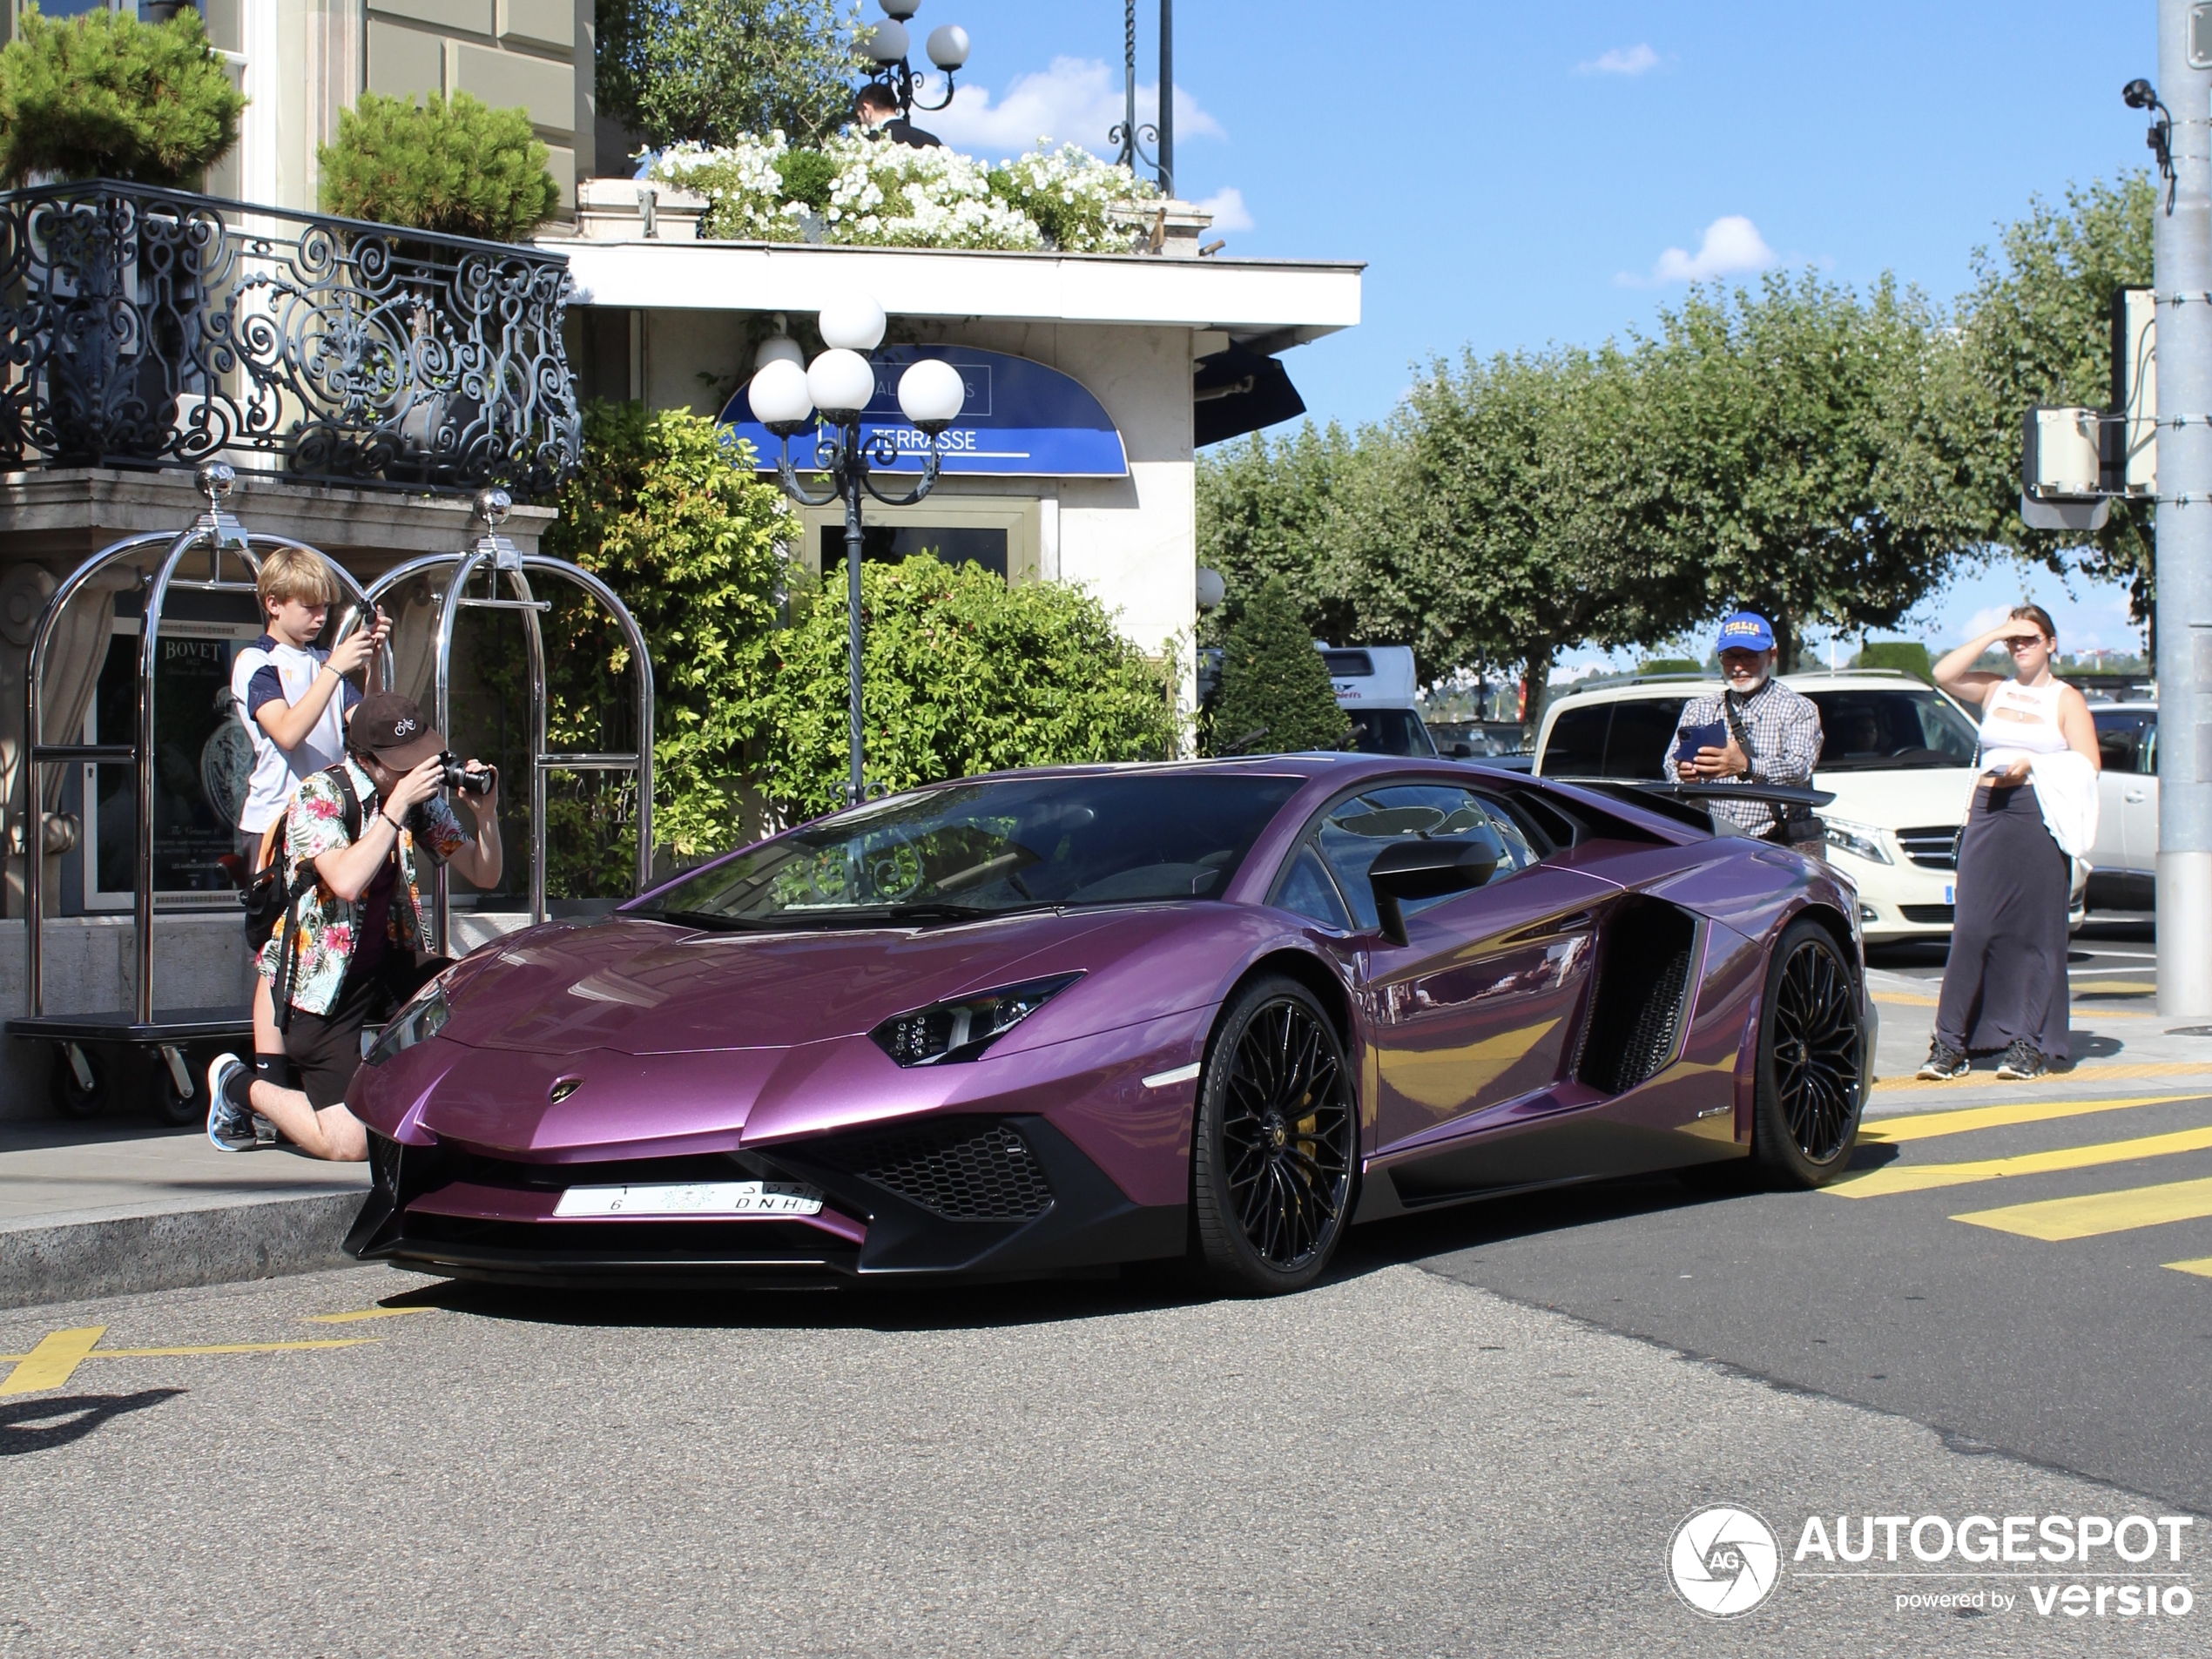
[
  {"x": 2139, "y": 814},
  {"x": 2119, "y": 747},
  {"x": 1480, "y": 1004}
]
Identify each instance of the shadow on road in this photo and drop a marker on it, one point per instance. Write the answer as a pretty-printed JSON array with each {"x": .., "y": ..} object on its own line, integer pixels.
[{"x": 43, "y": 1425}]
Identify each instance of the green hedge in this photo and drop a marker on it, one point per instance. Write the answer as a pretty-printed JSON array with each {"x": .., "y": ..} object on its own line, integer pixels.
[
  {"x": 461, "y": 168},
  {"x": 104, "y": 96}
]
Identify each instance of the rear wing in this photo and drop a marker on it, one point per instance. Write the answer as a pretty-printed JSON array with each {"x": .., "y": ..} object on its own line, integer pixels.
[{"x": 1691, "y": 803}]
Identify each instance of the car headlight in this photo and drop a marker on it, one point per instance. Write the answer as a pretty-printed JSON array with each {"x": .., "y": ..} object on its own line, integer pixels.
[
  {"x": 424, "y": 1016},
  {"x": 1861, "y": 840},
  {"x": 962, "y": 1029}
]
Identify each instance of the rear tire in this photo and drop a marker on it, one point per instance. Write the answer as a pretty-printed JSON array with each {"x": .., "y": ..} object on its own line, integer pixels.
[
  {"x": 1277, "y": 1142},
  {"x": 1812, "y": 1062}
]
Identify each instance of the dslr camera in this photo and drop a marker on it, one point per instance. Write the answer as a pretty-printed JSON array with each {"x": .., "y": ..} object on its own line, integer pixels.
[{"x": 469, "y": 783}]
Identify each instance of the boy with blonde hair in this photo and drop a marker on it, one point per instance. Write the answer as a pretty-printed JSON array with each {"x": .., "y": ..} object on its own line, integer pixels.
[{"x": 296, "y": 700}]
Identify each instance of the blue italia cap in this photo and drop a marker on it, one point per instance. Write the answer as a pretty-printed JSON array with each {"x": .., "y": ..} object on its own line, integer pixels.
[{"x": 1745, "y": 630}]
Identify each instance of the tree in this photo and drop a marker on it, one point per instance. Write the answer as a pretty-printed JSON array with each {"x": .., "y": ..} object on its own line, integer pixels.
[
  {"x": 1814, "y": 453},
  {"x": 1274, "y": 697},
  {"x": 1270, "y": 508},
  {"x": 104, "y": 96},
  {"x": 461, "y": 168},
  {"x": 2038, "y": 331},
  {"x": 709, "y": 72},
  {"x": 674, "y": 521},
  {"x": 962, "y": 674}
]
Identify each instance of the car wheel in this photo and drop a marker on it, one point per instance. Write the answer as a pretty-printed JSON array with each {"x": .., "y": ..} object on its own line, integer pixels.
[
  {"x": 1276, "y": 1144},
  {"x": 1812, "y": 1062}
]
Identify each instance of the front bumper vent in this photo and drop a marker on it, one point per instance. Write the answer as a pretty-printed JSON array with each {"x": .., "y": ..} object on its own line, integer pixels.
[
  {"x": 1932, "y": 847},
  {"x": 961, "y": 1171}
]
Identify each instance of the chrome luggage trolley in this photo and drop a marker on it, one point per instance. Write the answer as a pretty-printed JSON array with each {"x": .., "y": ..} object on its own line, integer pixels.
[
  {"x": 91, "y": 1047},
  {"x": 493, "y": 557}
]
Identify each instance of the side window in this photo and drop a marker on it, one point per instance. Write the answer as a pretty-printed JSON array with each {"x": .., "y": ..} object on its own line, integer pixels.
[
  {"x": 2120, "y": 740},
  {"x": 1512, "y": 835},
  {"x": 1307, "y": 889},
  {"x": 1353, "y": 832},
  {"x": 1576, "y": 746}
]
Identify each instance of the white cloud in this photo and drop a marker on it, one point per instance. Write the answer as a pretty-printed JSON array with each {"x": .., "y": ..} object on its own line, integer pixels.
[
  {"x": 1638, "y": 59},
  {"x": 1077, "y": 100},
  {"x": 1227, "y": 206},
  {"x": 1731, "y": 245}
]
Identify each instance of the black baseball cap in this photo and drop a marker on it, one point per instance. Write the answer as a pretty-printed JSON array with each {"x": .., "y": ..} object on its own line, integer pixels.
[{"x": 392, "y": 728}]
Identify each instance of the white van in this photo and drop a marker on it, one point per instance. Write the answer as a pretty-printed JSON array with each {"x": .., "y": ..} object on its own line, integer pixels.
[
  {"x": 1897, "y": 754},
  {"x": 1375, "y": 685}
]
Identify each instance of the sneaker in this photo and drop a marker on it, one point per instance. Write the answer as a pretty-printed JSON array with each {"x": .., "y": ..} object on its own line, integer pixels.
[
  {"x": 1943, "y": 1063},
  {"x": 2021, "y": 1063},
  {"x": 229, "y": 1124}
]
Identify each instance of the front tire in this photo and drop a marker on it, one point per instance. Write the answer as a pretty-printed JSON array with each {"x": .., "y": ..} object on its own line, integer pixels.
[
  {"x": 1811, "y": 1064},
  {"x": 1276, "y": 1144}
]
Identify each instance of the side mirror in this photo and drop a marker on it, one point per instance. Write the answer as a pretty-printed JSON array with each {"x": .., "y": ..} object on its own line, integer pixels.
[{"x": 1419, "y": 869}]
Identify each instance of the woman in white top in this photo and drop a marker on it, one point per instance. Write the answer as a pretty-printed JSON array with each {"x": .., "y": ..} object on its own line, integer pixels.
[{"x": 2004, "y": 987}]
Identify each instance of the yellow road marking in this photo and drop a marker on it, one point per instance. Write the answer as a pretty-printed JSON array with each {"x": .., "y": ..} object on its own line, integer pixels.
[
  {"x": 2090, "y": 1072},
  {"x": 1923, "y": 1177},
  {"x": 363, "y": 1313},
  {"x": 1906, "y": 1002},
  {"x": 52, "y": 1362},
  {"x": 2202, "y": 1266},
  {"x": 2096, "y": 1213},
  {"x": 2110, "y": 987},
  {"x": 1890, "y": 1130}
]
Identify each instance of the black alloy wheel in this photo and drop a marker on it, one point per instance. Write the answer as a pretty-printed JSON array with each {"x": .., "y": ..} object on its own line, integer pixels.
[
  {"x": 1276, "y": 1144},
  {"x": 1811, "y": 1075}
]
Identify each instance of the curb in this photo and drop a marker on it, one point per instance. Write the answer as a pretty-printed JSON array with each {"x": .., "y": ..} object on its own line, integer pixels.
[{"x": 124, "y": 1255}]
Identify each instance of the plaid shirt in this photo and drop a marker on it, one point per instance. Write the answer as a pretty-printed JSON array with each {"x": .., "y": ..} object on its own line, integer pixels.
[
  {"x": 315, "y": 824},
  {"x": 1783, "y": 730}
]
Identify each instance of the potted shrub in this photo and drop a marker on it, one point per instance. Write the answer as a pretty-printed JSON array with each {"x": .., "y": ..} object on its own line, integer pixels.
[{"x": 104, "y": 96}]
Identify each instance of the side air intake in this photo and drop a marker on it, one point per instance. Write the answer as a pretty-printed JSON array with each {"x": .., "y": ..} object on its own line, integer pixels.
[
  {"x": 962, "y": 1170},
  {"x": 1642, "y": 995}
]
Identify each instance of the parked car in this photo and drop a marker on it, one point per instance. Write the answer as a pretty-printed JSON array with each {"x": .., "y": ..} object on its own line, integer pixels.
[
  {"x": 1897, "y": 754},
  {"x": 1042, "y": 1023},
  {"x": 2124, "y": 875},
  {"x": 1376, "y": 688}
]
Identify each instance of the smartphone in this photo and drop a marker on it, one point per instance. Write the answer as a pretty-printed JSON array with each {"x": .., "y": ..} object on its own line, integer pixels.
[{"x": 1713, "y": 735}]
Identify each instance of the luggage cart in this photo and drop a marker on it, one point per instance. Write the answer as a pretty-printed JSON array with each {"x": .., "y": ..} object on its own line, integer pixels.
[
  {"x": 93, "y": 1051},
  {"x": 496, "y": 558}
]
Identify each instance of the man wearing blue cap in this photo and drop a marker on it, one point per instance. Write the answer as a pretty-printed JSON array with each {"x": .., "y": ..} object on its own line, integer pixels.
[{"x": 1759, "y": 729}]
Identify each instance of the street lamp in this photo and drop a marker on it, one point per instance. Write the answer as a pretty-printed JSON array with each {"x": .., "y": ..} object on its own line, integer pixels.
[
  {"x": 841, "y": 384},
  {"x": 886, "y": 45}
]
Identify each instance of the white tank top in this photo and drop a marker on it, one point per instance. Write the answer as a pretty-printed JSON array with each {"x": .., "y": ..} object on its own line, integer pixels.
[{"x": 2021, "y": 720}]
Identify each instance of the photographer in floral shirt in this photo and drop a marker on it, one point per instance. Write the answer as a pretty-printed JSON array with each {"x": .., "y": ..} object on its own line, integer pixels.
[{"x": 364, "y": 946}]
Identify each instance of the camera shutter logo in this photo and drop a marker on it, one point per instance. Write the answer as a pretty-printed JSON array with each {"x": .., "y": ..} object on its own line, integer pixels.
[{"x": 1725, "y": 1562}]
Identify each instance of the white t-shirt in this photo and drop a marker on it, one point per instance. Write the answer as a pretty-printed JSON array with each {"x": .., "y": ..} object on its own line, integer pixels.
[{"x": 265, "y": 671}]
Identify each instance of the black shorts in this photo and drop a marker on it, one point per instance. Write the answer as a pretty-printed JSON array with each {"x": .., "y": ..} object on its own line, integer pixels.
[{"x": 326, "y": 1049}]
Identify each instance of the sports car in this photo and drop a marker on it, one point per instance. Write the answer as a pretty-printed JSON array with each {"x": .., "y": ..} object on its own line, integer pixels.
[{"x": 1067, "y": 1019}]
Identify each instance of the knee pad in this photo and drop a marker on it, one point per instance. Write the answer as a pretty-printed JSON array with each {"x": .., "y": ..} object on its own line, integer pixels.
[{"x": 275, "y": 1069}]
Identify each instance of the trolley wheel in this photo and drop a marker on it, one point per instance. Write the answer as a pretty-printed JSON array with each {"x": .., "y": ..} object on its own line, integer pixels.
[
  {"x": 71, "y": 1095},
  {"x": 168, "y": 1106}
]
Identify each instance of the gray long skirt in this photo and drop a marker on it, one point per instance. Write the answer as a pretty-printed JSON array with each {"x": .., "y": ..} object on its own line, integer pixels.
[{"x": 2005, "y": 977}]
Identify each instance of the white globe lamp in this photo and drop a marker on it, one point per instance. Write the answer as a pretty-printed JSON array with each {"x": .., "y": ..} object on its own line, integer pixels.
[
  {"x": 901, "y": 10},
  {"x": 841, "y": 384},
  {"x": 931, "y": 394},
  {"x": 887, "y": 41},
  {"x": 948, "y": 46},
  {"x": 780, "y": 398},
  {"x": 780, "y": 348},
  {"x": 852, "y": 322}
]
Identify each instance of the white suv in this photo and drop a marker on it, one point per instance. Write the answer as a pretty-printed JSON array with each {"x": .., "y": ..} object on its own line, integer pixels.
[{"x": 1897, "y": 754}]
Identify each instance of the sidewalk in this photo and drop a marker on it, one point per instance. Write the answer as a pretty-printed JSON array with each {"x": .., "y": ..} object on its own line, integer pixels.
[{"x": 86, "y": 1210}]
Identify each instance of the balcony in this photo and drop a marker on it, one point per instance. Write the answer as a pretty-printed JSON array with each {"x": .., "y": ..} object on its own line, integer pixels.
[{"x": 147, "y": 328}]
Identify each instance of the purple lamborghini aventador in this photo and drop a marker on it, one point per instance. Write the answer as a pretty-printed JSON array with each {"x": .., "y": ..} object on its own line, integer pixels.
[{"x": 1052, "y": 1019}]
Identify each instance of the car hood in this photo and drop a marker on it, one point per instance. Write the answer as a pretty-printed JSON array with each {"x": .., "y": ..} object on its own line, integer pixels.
[
  {"x": 643, "y": 987},
  {"x": 1908, "y": 798}
]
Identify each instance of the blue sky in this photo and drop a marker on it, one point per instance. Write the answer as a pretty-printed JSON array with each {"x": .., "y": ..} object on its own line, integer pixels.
[{"x": 1518, "y": 174}]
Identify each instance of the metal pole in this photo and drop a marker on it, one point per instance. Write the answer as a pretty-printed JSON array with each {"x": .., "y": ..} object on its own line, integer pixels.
[
  {"x": 1128, "y": 157},
  {"x": 856, "y": 784},
  {"x": 1167, "y": 98},
  {"x": 2183, "y": 280}
]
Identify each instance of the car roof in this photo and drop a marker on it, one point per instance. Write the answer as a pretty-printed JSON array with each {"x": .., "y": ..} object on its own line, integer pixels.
[{"x": 1650, "y": 687}]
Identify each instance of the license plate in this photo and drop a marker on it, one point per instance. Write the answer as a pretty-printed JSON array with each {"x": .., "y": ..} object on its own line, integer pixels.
[
  {"x": 691, "y": 1198},
  {"x": 1950, "y": 894}
]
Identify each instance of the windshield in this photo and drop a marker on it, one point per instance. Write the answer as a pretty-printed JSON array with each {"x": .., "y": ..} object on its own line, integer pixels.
[
  {"x": 1389, "y": 732},
  {"x": 987, "y": 849},
  {"x": 1886, "y": 731}
]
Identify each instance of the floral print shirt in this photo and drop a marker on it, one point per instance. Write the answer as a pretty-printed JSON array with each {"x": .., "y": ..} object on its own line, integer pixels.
[{"x": 315, "y": 824}]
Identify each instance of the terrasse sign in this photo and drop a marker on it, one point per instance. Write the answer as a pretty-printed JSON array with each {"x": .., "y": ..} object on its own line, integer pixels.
[{"x": 1021, "y": 420}]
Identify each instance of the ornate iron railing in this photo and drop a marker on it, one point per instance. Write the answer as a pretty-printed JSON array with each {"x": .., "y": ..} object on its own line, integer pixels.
[{"x": 145, "y": 327}]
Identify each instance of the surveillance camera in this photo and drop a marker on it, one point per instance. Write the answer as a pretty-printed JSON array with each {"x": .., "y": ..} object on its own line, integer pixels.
[{"x": 2139, "y": 94}]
